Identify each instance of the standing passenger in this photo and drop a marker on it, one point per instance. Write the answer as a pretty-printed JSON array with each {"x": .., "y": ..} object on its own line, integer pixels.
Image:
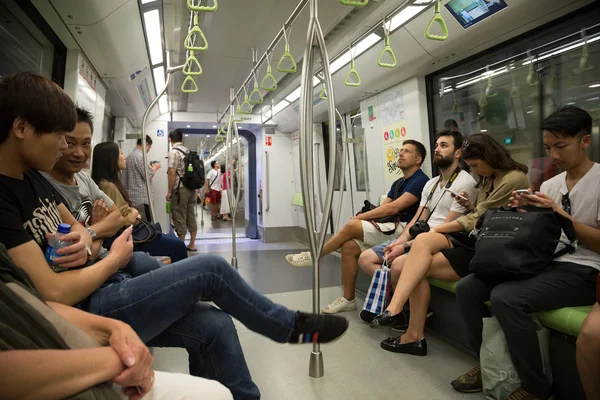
[{"x": 213, "y": 189}]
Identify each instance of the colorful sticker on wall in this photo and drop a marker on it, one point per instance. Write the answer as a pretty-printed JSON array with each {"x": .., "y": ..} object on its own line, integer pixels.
[
  {"x": 371, "y": 114},
  {"x": 393, "y": 137},
  {"x": 160, "y": 133}
]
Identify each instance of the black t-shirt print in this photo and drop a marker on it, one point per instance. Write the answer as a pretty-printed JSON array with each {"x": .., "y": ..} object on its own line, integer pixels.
[{"x": 28, "y": 210}]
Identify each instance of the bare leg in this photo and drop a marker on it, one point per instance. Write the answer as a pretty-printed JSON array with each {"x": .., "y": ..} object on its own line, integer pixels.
[
  {"x": 416, "y": 267},
  {"x": 369, "y": 262},
  {"x": 352, "y": 230},
  {"x": 192, "y": 240},
  {"x": 421, "y": 296},
  {"x": 588, "y": 354},
  {"x": 350, "y": 253}
]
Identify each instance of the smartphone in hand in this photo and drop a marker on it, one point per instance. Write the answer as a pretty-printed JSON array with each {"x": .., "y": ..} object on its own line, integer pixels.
[{"x": 454, "y": 194}]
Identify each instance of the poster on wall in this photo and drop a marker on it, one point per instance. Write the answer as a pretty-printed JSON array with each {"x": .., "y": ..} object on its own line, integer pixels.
[
  {"x": 392, "y": 137},
  {"x": 392, "y": 107},
  {"x": 86, "y": 95}
]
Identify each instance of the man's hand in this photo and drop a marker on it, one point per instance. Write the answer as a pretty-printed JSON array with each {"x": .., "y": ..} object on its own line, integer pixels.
[
  {"x": 136, "y": 357},
  {"x": 156, "y": 166},
  {"x": 122, "y": 248},
  {"x": 169, "y": 195},
  {"x": 537, "y": 199},
  {"x": 74, "y": 255},
  {"x": 99, "y": 211},
  {"x": 394, "y": 253}
]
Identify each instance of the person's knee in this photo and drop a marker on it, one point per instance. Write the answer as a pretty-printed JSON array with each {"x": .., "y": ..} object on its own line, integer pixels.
[
  {"x": 464, "y": 289},
  {"x": 351, "y": 248},
  {"x": 589, "y": 336},
  {"x": 367, "y": 257},
  {"x": 504, "y": 299}
]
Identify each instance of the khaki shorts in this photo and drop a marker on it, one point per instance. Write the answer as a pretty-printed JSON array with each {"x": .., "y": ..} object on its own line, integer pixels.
[
  {"x": 183, "y": 216},
  {"x": 372, "y": 236}
]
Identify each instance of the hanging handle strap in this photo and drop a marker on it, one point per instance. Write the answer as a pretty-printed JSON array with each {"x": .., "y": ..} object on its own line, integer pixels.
[
  {"x": 269, "y": 76},
  {"x": 437, "y": 17},
  {"x": 323, "y": 94},
  {"x": 287, "y": 55},
  {"x": 246, "y": 107},
  {"x": 353, "y": 71},
  {"x": 386, "y": 49},
  {"x": 191, "y": 44},
  {"x": 212, "y": 8},
  {"x": 188, "y": 67},
  {"x": 186, "y": 81}
]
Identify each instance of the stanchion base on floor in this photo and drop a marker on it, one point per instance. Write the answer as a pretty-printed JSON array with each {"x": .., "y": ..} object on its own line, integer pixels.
[{"x": 315, "y": 368}]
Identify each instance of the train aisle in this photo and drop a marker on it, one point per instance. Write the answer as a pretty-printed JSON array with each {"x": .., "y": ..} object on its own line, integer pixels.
[{"x": 355, "y": 367}]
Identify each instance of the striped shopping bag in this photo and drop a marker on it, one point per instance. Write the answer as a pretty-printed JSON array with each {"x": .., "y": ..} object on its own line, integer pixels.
[{"x": 380, "y": 290}]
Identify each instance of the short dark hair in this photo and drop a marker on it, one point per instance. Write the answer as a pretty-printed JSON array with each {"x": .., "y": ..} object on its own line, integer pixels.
[
  {"x": 568, "y": 121},
  {"x": 420, "y": 148},
  {"x": 176, "y": 136},
  {"x": 456, "y": 136},
  {"x": 148, "y": 141},
  {"x": 212, "y": 163},
  {"x": 84, "y": 115},
  {"x": 39, "y": 101},
  {"x": 451, "y": 125}
]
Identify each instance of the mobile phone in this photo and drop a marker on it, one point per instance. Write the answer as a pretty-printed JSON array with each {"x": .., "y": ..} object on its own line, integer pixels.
[
  {"x": 524, "y": 191},
  {"x": 454, "y": 194}
]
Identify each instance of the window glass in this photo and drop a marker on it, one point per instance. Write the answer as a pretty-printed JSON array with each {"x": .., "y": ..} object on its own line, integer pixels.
[
  {"x": 359, "y": 152},
  {"x": 509, "y": 99}
]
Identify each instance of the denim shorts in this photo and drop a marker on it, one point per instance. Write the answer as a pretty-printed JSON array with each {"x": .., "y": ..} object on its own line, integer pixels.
[{"x": 379, "y": 249}]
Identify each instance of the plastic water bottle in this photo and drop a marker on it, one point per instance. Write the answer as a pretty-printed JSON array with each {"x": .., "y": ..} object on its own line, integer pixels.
[
  {"x": 55, "y": 243},
  {"x": 168, "y": 207}
]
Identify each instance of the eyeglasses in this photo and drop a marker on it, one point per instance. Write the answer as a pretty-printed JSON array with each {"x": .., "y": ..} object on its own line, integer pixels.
[{"x": 566, "y": 203}]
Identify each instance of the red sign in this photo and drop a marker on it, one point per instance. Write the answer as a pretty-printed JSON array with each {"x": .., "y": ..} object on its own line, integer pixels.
[
  {"x": 403, "y": 131},
  {"x": 268, "y": 141}
]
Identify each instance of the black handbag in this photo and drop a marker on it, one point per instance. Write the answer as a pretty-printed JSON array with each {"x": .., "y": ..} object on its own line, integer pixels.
[
  {"x": 144, "y": 231},
  {"x": 514, "y": 245}
]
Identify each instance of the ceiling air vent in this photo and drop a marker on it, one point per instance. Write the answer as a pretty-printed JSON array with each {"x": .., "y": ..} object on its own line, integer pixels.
[{"x": 144, "y": 93}]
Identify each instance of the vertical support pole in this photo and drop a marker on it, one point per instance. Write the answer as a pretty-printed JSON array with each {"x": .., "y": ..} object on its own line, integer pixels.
[{"x": 232, "y": 198}]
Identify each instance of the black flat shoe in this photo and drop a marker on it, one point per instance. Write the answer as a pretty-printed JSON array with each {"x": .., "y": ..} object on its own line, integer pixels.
[
  {"x": 418, "y": 348},
  {"x": 366, "y": 316},
  {"x": 386, "y": 319}
]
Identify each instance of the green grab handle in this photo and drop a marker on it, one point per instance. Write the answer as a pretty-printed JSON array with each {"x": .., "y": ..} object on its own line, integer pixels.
[
  {"x": 455, "y": 105},
  {"x": 531, "y": 76},
  {"x": 252, "y": 93},
  {"x": 269, "y": 75},
  {"x": 387, "y": 49},
  {"x": 354, "y": 3},
  {"x": 437, "y": 17},
  {"x": 187, "y": 67},
  {"x": 288, "y": 55},
  {"x": 354, "y": 72},
  {"x": 186, "y": 80},
  {"x": 237, "y": 117},
  {"x": 482, "y": 100},
  {"x": 488, "y": 88},
  {"x": 203, "y": 8},
  {"x": 323, "y": 94},
  {"x": 195, "y": 29},
  {"x": 219, "y": 139},
  {"x": 583, "y": 61},
  {"x": 246, "y": 102}
]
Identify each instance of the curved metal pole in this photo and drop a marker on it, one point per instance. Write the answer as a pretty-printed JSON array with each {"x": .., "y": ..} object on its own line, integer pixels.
[
  {"x": 234, "y": 198},
  {"x": 320, "y": 187},
  {"x": 316, "y": 238},
  {"x": 170, "y": 71},
  {"x": 342, "y": 175}
]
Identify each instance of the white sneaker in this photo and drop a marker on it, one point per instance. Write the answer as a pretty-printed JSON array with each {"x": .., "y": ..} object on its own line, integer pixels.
[
  {"x": 340, "y": 305},
  {"x": 300, "y": 260}
]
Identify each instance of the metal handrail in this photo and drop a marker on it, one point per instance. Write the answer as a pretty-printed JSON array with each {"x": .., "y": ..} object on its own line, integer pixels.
[
  {"x": 318, "y": 147},
  {"x": 316, "y": 238},
  {"x": 234, "y": 199},
  {"x": 267, "y": 182},
  {"x": 170, "y": 71}
]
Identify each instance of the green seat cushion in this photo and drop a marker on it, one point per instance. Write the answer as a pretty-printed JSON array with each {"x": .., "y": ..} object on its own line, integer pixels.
[
  {"x": 566, "y": 320},
  {"x": 297, "y": 199}
]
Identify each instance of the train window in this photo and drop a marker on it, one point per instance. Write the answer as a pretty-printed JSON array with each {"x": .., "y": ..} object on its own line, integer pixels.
[
  {"x": 359, "y": 152},
  {"x": 508, "y": 97}
]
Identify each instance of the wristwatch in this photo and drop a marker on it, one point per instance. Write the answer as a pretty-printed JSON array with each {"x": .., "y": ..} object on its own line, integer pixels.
[
  {"x": 406, "y": 248},
  {"x": 92, "y": 233}
]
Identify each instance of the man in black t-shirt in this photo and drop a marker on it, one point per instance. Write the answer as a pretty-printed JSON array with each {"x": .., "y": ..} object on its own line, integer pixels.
[{"x": 161, "y": 305}]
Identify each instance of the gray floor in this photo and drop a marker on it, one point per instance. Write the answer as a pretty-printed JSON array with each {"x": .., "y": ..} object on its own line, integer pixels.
[{"x": 355, "y": 367}]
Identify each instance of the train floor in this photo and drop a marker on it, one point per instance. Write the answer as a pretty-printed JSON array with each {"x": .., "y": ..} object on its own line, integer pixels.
[{"x": 355, "y": 366}]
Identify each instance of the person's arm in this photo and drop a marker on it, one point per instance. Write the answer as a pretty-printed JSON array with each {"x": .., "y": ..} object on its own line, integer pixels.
[
  {"x": 55, "y": 374},
  {"x": 70, "y": 287},
  {"x": 68, "y": 218},
  {"x": 171, "y": 172},
  {"x": 405, "y": 235},
  {"x": 392, "y": 208},
  {"x": 130, "y": 214},
  {"x": 452, "y": 215},
  {"x": 109, "y": 225}
]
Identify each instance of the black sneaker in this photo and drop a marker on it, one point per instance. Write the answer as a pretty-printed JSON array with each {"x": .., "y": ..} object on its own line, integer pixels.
[
  {"x": 470, "y": 382},
  {"x": 314, "y": 328}
]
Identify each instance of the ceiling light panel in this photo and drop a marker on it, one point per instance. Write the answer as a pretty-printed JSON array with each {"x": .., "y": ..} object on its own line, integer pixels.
[{"x": 152, "y": 23}]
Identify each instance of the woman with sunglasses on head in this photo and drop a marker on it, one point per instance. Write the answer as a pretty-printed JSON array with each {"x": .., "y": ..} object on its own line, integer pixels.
[
  {"x": 446, "y": 251},
  {"x": 107, "y": 163}
]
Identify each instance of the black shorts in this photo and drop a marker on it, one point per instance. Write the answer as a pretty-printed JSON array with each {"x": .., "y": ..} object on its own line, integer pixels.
[{"x": 460, "y": 255}]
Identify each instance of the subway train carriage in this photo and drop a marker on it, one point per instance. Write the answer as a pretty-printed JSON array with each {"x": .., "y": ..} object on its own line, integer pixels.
[{"x": 409, "y": 187}]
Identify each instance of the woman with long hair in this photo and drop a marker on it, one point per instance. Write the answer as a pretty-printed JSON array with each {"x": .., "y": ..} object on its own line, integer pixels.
[
  {"x": 446, "y": 251},
  {"x": 107, "y": 163}
]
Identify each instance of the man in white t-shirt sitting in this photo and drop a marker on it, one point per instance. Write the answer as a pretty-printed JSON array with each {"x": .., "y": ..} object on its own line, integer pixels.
[
  {"x": 213, "y": 188},
  {"x": 570, "y": 280}
]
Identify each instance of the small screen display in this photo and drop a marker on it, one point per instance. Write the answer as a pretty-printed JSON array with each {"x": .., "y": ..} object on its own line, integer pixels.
[{"x": 470, "y": 12}]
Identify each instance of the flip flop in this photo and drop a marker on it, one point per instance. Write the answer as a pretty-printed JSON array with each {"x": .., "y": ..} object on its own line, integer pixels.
[{"x": 188, "y": 249}]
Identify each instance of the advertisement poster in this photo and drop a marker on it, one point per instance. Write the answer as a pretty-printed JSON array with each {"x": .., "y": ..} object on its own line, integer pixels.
[{"x": 392, "y": 138}]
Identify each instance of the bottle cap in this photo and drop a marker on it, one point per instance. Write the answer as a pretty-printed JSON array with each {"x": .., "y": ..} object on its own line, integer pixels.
[{"x": 64, "y": 228}]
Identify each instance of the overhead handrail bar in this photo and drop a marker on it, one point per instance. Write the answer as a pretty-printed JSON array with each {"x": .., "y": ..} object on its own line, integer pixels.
[
  {"x": 191, "y": 44},
  {"x": 234, "y": 198},
  {"x": 269, "y": 75},
  {"x": 316, "y": 238},
  {"x": 352, "y": 71},
  {"x": 213, "y": 8},
  {"x": 169, "y": 71},
  {"x": 354, "y": 3},
  {"x": 189, "y": 64},
  {"x": 256, "y": 89},
  {"x": 287, "y": 55},
  {"x": 386, "y": 48},
  {"x": 437, "y": 17}
]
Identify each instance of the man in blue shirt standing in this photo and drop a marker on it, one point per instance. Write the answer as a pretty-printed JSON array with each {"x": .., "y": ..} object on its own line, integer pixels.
[{"x": 362, "y": 232}]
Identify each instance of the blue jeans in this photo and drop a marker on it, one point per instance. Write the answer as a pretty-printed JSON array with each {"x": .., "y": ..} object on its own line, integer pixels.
[
  {"x": 162, "y": 304},
  {"x": 164, "y": 245}
]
